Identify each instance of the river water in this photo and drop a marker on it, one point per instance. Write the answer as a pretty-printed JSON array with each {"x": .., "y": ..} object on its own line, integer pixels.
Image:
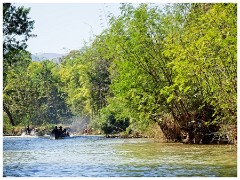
[{"x": 96, "y": 156}]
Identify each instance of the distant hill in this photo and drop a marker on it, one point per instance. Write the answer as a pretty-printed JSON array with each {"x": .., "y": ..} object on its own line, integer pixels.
[{"x": 46, "y": 56}]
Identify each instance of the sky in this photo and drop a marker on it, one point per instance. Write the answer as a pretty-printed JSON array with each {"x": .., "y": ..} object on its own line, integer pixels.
[{"x": 61, "y": 27}]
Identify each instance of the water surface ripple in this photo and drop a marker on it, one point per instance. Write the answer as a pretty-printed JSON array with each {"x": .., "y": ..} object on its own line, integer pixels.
[{"x": 96, "y": 156}]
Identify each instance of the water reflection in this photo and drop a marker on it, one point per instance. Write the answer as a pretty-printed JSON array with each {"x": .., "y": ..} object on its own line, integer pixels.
[{"x": 96, "y": 156}]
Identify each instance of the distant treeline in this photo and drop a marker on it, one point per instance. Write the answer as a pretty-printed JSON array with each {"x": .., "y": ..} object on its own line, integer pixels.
[{"x": 174, "y": 67}]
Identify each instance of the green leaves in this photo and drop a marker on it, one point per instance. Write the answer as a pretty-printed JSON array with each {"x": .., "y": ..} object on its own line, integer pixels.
[
  {"x": 149, "y": 63},
  {"x": 16, "y": 31},
  {"x": 206, "y": 40},
  {"x": 177, "y": 60},
  {"x": 32, "y": 95}
]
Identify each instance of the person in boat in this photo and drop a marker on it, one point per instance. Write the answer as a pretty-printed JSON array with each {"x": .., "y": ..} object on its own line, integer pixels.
[
  {"x": 64, "y": 131},
  {"x": 60, "y": 130},
  {"x": 55, "y": 130},
  {"x": 28, "y": 130}
]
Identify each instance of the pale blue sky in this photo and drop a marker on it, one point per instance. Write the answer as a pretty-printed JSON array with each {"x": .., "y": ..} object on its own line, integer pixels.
[{"x": 61, "y": 27}]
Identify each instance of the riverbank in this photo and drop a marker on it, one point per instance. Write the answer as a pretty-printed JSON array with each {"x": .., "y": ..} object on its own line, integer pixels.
[{"x": 153, "y": 131}]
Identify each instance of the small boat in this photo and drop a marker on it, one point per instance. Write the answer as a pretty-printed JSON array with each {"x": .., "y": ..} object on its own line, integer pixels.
[
  {"x": 59, "y": 133},
  {"x": 58, "y": 136}
]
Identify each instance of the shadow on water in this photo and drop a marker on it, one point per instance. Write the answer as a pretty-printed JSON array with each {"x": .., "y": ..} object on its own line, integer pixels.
[{"x": 96, "y": 156}]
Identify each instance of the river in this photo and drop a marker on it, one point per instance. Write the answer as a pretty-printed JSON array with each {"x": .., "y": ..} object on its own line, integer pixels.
[{"x": 96, "y": 156}]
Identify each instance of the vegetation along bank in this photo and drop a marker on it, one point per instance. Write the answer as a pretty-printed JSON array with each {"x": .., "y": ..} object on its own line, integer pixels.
[{"x": 170, "y": 70}]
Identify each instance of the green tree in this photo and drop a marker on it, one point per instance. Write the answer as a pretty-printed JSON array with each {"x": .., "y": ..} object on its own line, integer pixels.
[
  {"x": 175, "y": 61},
  {"x": 206, "y": 60},
  {"x": 75, "y": 83},
  {"x": 139, "y": 70},
  {"x": 98, "y": 73},
  {"x": 35, "y": 96},
  {"x": 17, "y": 28},
  {"x": 16, "y": 78}
]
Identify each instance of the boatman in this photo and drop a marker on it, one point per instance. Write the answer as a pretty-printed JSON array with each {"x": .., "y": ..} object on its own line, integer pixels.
[{"x": 55, "y": 130}]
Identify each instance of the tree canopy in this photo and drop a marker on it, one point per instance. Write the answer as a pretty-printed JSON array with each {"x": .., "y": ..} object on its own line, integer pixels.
[
  {"x": 17, "y": 28},
  {"x": 174, "y": 66}
]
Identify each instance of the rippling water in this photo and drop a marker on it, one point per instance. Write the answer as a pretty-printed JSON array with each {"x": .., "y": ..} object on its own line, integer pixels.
[{"x": 95, "y": 156}]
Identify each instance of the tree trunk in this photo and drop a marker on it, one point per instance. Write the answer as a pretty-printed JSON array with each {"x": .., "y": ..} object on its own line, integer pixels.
[{"x": 5, "y": 108}]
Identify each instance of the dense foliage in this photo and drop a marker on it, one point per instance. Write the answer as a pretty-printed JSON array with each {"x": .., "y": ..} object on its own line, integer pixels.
[
  {"x": 17, "y": 27},
  {"x": 174, "y": 66}
]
